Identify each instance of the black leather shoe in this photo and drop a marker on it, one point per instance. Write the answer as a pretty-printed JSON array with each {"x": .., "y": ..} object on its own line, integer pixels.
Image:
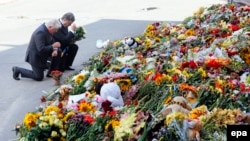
[
  {"x": 15, "y": 73},
  {"x": 69, "y": 68},
  {"x": 49, "y": 75}
]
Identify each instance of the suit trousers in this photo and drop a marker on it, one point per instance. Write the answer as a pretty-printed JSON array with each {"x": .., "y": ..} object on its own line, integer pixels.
[
  {"x": 36, "y": 73},
  {"x": 55, "y": 62},
  {"x": 69, "y": 56}
]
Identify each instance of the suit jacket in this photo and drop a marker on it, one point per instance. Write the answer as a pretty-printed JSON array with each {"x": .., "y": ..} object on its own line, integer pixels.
[
  {"x": 40, "y": 47},
  {"x": 63, "y": 36}
]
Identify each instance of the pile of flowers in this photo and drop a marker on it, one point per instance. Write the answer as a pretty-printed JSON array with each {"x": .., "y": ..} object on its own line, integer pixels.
[{"x": 180, "y": 82}]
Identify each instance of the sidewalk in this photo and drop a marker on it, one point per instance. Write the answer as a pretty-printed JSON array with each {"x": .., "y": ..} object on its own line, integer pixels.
[{"x": 19, "y": 14}]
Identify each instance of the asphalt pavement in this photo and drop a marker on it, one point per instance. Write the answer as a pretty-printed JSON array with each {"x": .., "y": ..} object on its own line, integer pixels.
[{"x": 105, "y": 20}]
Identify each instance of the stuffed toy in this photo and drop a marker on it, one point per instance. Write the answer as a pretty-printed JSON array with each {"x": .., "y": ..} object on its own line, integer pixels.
[
  {"x": 130, "y": 73},
  {"x": 178, "y": 104},
  {"x": 110, "y": 94},
  {"x": 131, "y": 42},
  {"x": 192, "y": 129},
  {"x": 65, "y": 90}
]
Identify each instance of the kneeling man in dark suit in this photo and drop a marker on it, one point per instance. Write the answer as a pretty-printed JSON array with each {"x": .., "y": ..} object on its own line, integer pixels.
[{"x": 40, "y": 48}]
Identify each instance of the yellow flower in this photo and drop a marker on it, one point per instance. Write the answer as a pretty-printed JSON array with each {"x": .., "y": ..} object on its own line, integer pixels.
[
  {"x": 116, "y": 42},
  {"x": 181, "y": 37},
  {"x": 54, "y": 134},
  {"x": 223, "y": 117},
  {"x": 124, "y": 84},
  {"x": 149, "y": 72},
  {"x": 52, "y": 109},
  {"x": 157, "y": 40},
  {"x": 86, "y": 107},
  {"x": 167, "y": 100},
  {"x": 79, "y": 78},
  {"x": 30, "y": 120},
  {"x": 150, "y": 27},
  {"x": 173, "y": 30},
  {"x": 166, "y": 77},
  {"x": 43, "y": 125},
  {"x": 202, "y": 72},
  {"x": 176, "y": 115},
  {"x": 137, "y": 39},
  {"x": 125, "y": 127},
  {"x": 63, "y": 133},
  {"x": 185, "y": 73},
  {"x": 112, "y": 124},
  {"x": 190, "y": 32},
  {"x": 148, "y": 43},
  {"x": 139, "y": 127},
  {"x": 68, "y": 116},
  {"x": 174, "y": 70}
]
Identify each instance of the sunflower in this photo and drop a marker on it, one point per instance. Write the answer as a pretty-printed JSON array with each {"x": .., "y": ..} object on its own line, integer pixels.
[
  {"x": 112, "y": 124},
  {"x": 124, "y": 84},
  {"x": 86, "y": 107},
  {"x": 190, "y": 32},
  {"x": 157, "y": 39},
  {"x": 245, "y": 55},
  {"x": 30, "y": 120},
  {"x": 79, "y": 78}
]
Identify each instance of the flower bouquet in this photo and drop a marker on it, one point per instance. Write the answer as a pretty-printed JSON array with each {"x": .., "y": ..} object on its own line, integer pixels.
[{"x": 79, "y": 34}]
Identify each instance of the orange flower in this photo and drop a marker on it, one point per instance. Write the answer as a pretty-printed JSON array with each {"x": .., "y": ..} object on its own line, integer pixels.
[
  {"x": 184, "y": 86},
  {"x": 217, "y": 62},
  {"x": 157, "y": 78},
  {"x": 197, "y": 112},
  {"x": 219, "y": 85}
]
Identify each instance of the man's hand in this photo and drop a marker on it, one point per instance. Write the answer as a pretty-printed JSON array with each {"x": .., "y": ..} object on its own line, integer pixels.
[
  {"x": 56, "y": 45},
  {"x": 73, "y": 27},
  {"x": 54, "y": 53}
]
